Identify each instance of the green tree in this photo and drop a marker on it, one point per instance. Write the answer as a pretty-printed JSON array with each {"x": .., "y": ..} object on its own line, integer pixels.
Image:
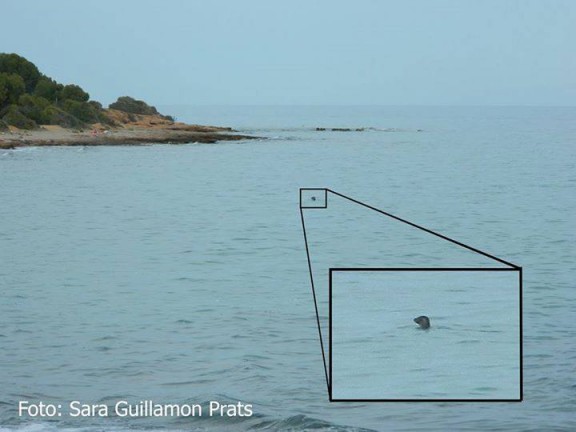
[
  {"x": 3, "y": 93},
  {"x": 15, "y": 64},
  {"x": 81, "y": 110},
  {"x": 11, "y": 87},
  {"x": 74, "y": 93},
  {"x": 133, "y": 106},
  {"x": 33, "y": 107},
  {"x": 48, "y": 89}
]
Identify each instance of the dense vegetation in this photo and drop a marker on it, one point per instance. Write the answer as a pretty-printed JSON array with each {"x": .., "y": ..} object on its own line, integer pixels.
[
  {"x": 134, "y": 106},
  {"x": 29, "y": 98}
]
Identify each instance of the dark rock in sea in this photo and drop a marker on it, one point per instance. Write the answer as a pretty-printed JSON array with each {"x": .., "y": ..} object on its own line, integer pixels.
[{"x": 321, "y": 129}]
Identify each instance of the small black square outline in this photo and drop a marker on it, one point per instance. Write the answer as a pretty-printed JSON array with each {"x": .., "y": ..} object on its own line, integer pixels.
[
  {"x": 315, "y": 207},
  {"x": 331, "y": 270}
]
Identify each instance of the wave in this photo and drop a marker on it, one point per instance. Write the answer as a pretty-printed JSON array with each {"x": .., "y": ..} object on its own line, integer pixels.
[
  {"x": 304, "y": 423},
  {"x": 217, "y": 424}
]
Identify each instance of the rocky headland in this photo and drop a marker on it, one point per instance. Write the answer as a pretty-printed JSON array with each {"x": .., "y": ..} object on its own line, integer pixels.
[{"x": 35, "y": 110}]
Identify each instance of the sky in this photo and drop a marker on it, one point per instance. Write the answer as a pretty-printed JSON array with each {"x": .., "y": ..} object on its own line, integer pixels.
[{"x": 303, "y": 52}]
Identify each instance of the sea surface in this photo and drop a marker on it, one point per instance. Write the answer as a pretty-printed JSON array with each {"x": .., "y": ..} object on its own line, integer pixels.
[{"x": 178, "y": 273}]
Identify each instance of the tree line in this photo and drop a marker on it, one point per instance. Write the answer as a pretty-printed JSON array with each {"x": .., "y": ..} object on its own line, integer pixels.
[{"x": 29, "y": 98}]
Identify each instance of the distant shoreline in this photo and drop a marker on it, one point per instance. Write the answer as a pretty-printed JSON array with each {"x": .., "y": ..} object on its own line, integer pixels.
[
  {"x": 36, "y": 110},
  {"x": 174, "y": 133}
]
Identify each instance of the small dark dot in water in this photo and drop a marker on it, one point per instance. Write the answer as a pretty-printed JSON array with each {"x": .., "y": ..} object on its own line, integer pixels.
[{"x": 313, "y": 198}]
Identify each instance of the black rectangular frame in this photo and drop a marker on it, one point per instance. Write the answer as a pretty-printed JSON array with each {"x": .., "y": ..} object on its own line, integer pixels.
[
  {"x": 518, "y": 269},
  {"x": 315, "y": 207}
]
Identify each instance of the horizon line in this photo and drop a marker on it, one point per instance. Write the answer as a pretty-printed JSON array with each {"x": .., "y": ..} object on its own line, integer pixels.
[{"x": 369, "y": 105}]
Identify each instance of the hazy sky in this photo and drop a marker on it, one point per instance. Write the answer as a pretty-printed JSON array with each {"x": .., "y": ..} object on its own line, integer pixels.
[{"x": 355, "y": 52}]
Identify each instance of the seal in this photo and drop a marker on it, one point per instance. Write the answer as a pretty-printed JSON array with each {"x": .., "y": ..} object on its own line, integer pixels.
[{"x": 423, "y": 321}]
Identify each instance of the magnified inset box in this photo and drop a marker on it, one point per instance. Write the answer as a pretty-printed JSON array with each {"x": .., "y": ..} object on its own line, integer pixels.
[
  {"x": 471, "y": 352},
  {"x": 313, "y": 198}
]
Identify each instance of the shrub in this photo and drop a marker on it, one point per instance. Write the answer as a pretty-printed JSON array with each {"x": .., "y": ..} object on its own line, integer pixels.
[
  {"x": 81, "y": 110},
  {"x": 57, "y": 116},
  {"x": 3, "y": 125},
  {"x": 100, "y": 115},
  {"x": 104, "y": 119},
  {"x": 33, "y": 107},
  {"x": 133, "y": 106},
  {"x": 15, "y": 117},
  {"x": 96, "y": 105}
]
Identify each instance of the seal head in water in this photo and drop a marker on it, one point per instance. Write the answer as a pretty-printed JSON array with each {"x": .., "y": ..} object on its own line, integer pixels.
[{"x": 423, "y": 321}]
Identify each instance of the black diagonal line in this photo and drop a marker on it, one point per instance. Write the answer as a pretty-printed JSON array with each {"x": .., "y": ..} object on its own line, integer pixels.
[
  {"x": 315, "y": 301},
  {"x": 478, "y": 251}
]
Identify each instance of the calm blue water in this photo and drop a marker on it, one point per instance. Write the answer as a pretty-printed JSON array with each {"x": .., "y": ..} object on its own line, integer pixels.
[
  {"x": 471, "y": 351},
  {"x": 178, "y": 273}
]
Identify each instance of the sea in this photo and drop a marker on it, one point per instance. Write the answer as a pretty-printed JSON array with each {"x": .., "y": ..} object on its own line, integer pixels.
[{"x": 179, "y": 274}]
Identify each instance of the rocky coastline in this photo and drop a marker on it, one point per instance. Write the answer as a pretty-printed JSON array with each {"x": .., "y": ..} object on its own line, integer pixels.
[{"x": 142, "y": 130}]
